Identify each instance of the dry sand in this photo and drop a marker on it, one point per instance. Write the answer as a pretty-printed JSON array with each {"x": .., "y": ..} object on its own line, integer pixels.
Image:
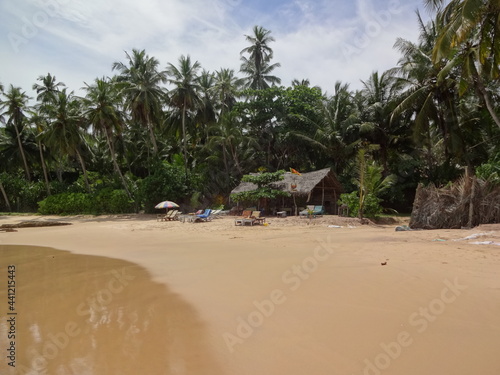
[{"x": 130, "y": 295}]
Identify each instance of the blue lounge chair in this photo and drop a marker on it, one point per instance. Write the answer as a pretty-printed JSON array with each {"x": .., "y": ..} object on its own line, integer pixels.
[
  {"x": 318, "y": 211},
  {"x": 312, "y": 211},
  {"x": 205, "y": 216}
]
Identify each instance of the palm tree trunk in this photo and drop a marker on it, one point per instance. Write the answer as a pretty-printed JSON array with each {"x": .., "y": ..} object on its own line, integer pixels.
[
  {"x": 59, "y": 171},
  {"x": 184, "y": 140},
  {"x": 85, "y": 176},
  {"x": 486, "y": 97},
  {"x": 44, "y": 167},
  {"x": 152, "y": 135},
  {"x": 235, "y": 158},
  {"x": 115, "y": 164},
  {"x": 4, "y": 194},
  {"x": 21, "y": 150},
  {"x": 224, "y": 158}
]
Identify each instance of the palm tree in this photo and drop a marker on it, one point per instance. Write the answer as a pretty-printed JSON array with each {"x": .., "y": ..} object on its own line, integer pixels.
[
  {"x": 102, "y": 102},
  {"x": 5, "y": 197},
  {"x": 303, "y": 82},
  {"x": 14, "y": 106},
  {"x": 470, "y": 29},
  {"x": 64, "y": 133},
  {"x": 332, "y": 131},
  {"x": 40, "y": 123},
  {"x": 227, "y": 135},
  {"x": 380, "y": 94},
  {"x": 226, "y": 88},
  {"x": 257, "y": 65},
  {"x": 49, "y": 88},
  {"x": 206, "y": 114},
  {"x": 144, "y": 96},
  {"x": 185, "y": 95},
  {"x": 431, "y": 98}
]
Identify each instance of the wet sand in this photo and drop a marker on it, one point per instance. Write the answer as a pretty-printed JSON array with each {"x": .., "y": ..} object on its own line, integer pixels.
[{"x": 288, "y": 298}]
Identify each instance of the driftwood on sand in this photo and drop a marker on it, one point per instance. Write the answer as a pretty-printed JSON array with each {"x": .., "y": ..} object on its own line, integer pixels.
[
  {"x": 33, "y": 224},
  {"x": 464, "y": 204}
]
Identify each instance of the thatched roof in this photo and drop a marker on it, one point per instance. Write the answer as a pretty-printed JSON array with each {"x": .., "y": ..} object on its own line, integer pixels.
[
  {"x": 305, "y": 183},
  {"x": 466, "y": 203}
]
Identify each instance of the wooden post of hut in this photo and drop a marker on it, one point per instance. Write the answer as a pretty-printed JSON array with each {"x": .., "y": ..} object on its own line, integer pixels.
[{"x": 323, "y": 192}]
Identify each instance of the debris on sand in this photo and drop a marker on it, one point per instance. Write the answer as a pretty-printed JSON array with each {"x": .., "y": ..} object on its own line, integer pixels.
[{"x": 33, "y": 224}]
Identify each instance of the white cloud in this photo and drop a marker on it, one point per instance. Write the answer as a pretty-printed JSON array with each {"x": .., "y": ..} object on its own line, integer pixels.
[{"x": 78, "y": 40}]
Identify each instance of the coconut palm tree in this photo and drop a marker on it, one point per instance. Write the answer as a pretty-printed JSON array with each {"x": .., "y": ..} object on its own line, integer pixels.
[
  {"x": 380, "y": 93},
  {"x": 334, "y": 131},
  {"x": 185, "y": 94},
  {"x": 40, "y": 124},
  {"x": 48, "y": 89},
  {"x": 14, "y": 107},
  {"x": 65, "y": 133},
  {"x": 206, "y": 113},
  {"x": 227, "y": 89},
  {"x": 102, "y": 104},
  {"x": 469, "y": 37},
  {"x": 141, "y": 79},
  {"x": 431, "y": 98},
  {"x": 257, "y": 66}
]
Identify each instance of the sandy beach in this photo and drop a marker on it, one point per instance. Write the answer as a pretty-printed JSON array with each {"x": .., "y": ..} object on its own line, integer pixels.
[{"x": 129, "y": 295}]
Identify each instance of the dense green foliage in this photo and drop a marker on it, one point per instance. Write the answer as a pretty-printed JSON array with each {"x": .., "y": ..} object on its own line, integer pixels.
[
  {"x": 167, "y": 182},
  {"x": 264, "y": 188},
  {"x": 106, "y": 201},
  {"x": 371, "y": 204},
  {"x": 157, "y": 131}
]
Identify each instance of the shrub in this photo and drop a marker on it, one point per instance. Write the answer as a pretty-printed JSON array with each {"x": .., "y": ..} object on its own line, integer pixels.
[
  {"x": 489, "y": 172},
  {"x": 372, "y": 205},
  {"x": 167, "y": 183},
  {"x": 66, "y": 204},
  {"x": 107, "y": 201},
  {"x": 113, "y": 202}
]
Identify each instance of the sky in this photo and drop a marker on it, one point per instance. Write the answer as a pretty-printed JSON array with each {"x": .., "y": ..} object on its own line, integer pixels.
[{"x": 321, "y": 40}]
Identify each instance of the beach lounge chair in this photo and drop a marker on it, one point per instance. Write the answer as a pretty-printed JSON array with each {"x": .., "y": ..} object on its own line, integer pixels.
[
  {"x": 172, "y": 215},
  {"x": 216, "y": 214},
  {"x": 314, "y": 211},
  {"x": 160, "y": 217},
  {"x": 246, "y": 215},
  {"x": 318, "y": 211},
  {"x": 308, "y": 211},
  {"x": 205, "y": 216},
  {"x": 258, "y": 219}
]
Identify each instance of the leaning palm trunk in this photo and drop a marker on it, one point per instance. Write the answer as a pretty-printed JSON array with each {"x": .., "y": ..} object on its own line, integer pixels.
[
  {"x": 6, "y": 199},
  {"x": 115, "y": 164},
  {"x": 85, "y": 176},
  {"x": 44, "y": 167},
  {"x": 485, "y": 96}
]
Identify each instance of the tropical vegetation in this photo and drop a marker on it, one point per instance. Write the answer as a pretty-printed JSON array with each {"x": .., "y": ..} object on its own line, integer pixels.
[{"x": 156, "y": 130}]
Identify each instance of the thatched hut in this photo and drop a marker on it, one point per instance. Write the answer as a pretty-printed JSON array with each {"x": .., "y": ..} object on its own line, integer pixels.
[{"x": 320, "y": 188}]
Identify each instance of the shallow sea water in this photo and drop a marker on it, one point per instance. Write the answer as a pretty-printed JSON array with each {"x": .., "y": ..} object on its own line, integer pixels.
[{"x": 91, "y": 315}]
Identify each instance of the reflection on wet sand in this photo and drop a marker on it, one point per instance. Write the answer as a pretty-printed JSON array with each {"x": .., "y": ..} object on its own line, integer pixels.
[{"x": 88, "y": 315}]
